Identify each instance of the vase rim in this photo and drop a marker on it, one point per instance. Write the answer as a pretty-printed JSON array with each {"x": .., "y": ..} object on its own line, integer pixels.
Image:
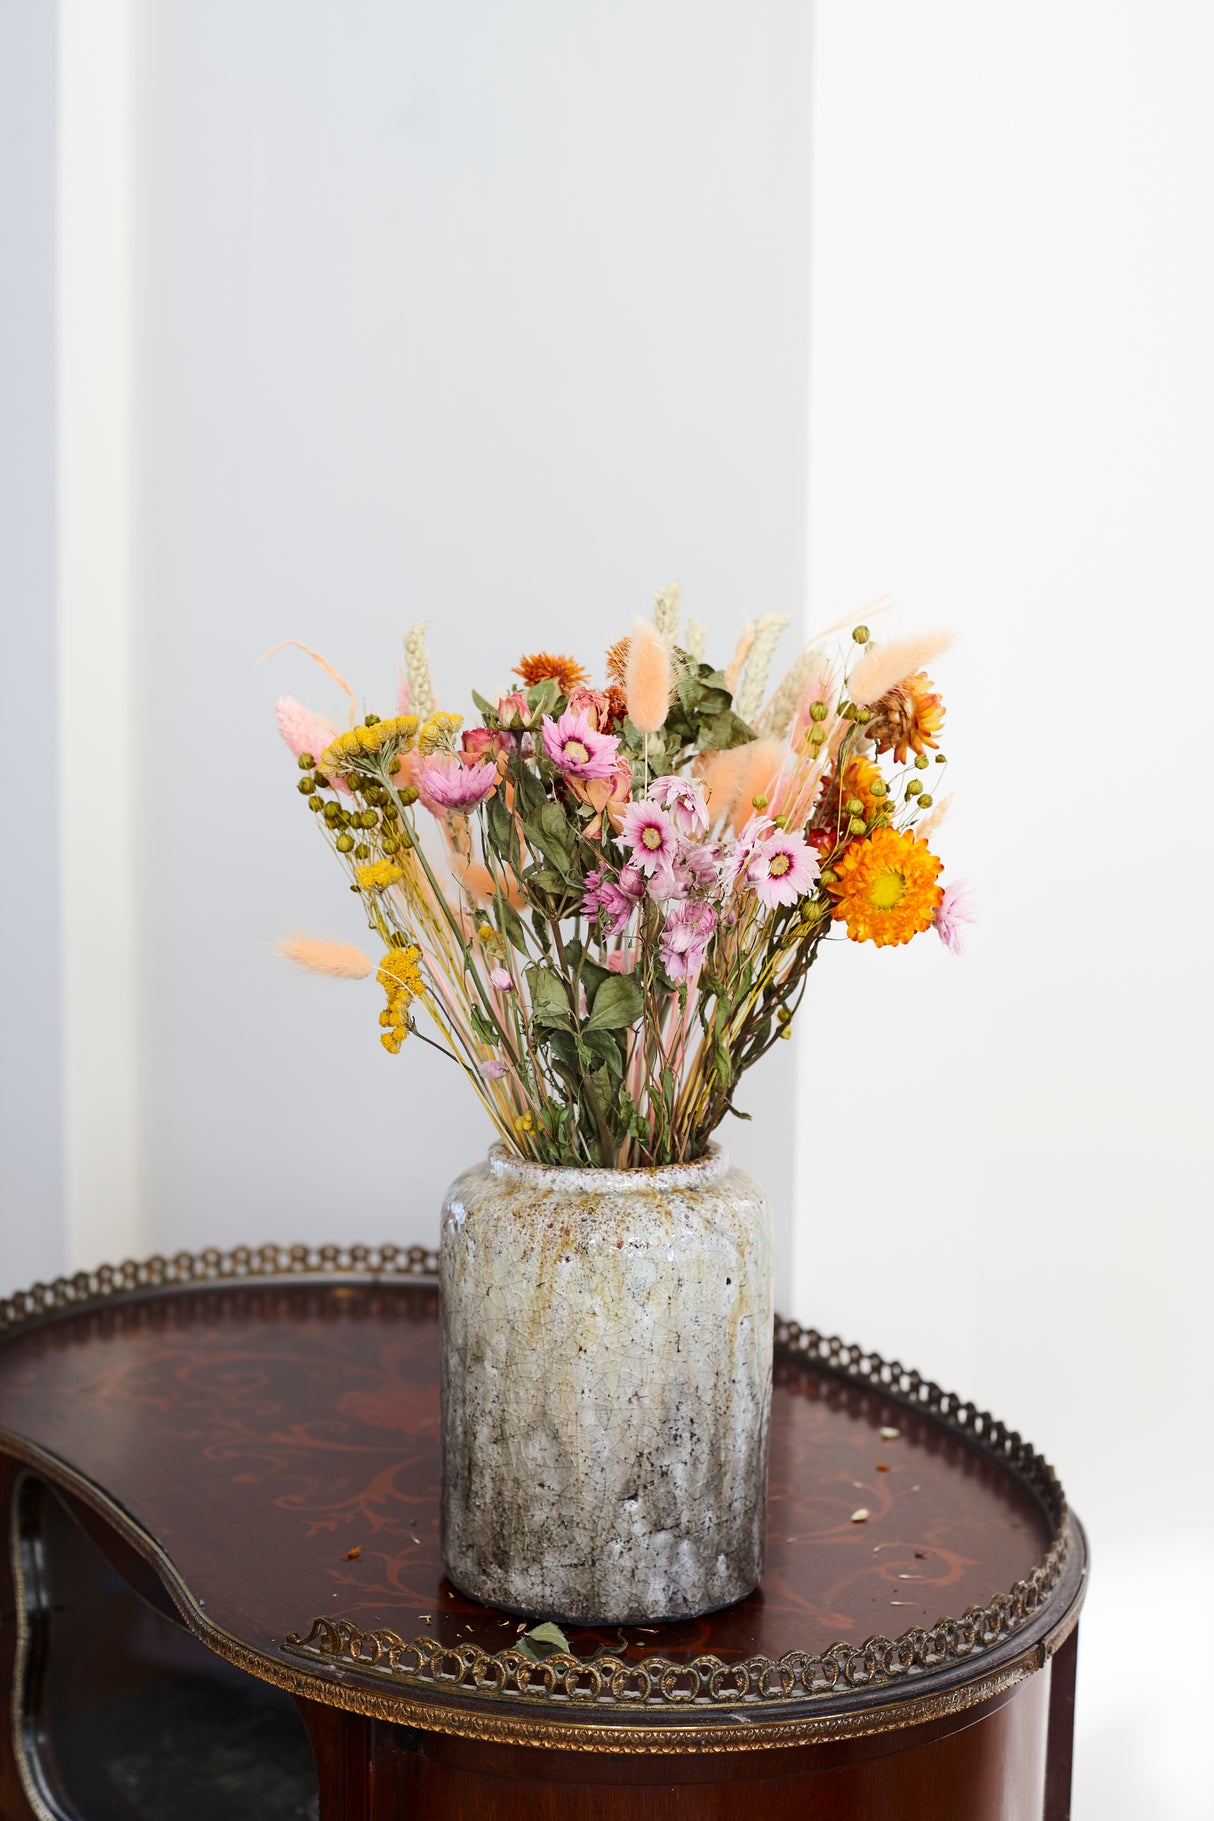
[{"x": 695, "y": 1174}]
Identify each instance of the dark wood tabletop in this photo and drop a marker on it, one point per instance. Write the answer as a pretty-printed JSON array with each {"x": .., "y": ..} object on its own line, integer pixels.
[{"x": 269, "y": 1448}]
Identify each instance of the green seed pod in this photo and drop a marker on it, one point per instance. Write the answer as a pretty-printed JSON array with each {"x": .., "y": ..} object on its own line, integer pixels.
[
  {"x": 368, "y": 818},
  {"x": 860, "y": 634},
  {"x": 371, "y": 720},
  {"x": 394, "y": 767},
  {"x": 878, "y": 788},
  {"x": 940, "y": 759},
  {"x": 920, "y": 761},
  {"x": 408, "y": 795},
  {"x": 914, "y": 788},
  {"x": 817, "y": 711},
  {"x": 817, "y": 736},
  {"x": 362, "y": 851},
  {"x": 856, "y": 826},
  {"x": 305, "y": 761},
  {"x": 758, "y": 802},
  {"x": 316, "y": 803},
  {"x": 925, "y": 801},
  {"x": 854, "y": 807},
  {"x": 306, "y": 787},
  {"x": 784, "y": 1015},
  {"x": 829, "y": 877},
  {"x": 861, "y": 715},
  {"x": 389, "y": 844},
  {"x": 344, "y": 843},
  {"x": 780, "y": 821}
]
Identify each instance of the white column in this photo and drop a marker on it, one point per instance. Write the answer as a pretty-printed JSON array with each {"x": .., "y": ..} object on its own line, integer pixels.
[
  {"x": 106, "y": 729},
  {"x": 32, "y": 1241}
]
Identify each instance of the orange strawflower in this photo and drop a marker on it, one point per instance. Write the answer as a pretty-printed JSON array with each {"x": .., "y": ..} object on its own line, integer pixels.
[
  {"x": 859, "y": 775},
  {"x": 885, "y": 888},
  {"x": 617, "y": 659},
  {"x": 544, "y": 664},
  {"x": 907, "y": 717}
]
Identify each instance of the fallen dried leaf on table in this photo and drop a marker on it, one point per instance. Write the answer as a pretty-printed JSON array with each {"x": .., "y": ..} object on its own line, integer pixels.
[
  {"x": 352, "y": 1555},
  {"x": 882, "y": 1467},
  {"x": 862, "y": 1516},
  {"x": 890, "y": 1435}
]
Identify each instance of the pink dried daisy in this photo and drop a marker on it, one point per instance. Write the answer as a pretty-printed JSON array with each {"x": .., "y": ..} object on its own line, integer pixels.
[
  {"x": 444, "y": 784},
  {"x": 684, "y": 802},
  {"x": 955, "y": 908},
  {"x": 650, "y": 834},
  {"x": 576, "y": 749},
  {"x": 500, "y": 980},
  {"x": 685, "y": 939},
  {"x": 493, "y": 1070},
  {"x": 782, "y": 867}
]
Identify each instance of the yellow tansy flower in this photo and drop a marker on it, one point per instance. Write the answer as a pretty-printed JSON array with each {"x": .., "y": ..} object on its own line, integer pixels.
[{"x": 377, "y": 875}]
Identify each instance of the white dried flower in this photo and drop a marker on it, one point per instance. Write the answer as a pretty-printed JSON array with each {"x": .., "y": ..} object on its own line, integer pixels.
[
  {"x": 767, "y": 636},
  {"x": 423, "y": 701}
]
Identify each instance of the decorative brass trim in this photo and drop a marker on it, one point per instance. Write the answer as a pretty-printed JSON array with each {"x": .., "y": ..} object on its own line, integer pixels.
[
  {"x": 455, "y": 1683},
  {"x": 656, "y": 1682},
  {"x": 185, "y": 1270}
]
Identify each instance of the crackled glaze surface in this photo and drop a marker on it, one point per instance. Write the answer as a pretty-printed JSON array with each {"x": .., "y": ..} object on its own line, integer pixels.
[{"x": 607, "y": 1363}]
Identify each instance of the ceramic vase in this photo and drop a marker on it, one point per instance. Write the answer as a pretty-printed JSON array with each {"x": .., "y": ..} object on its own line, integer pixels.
[{"x": 606, "y": 1388}]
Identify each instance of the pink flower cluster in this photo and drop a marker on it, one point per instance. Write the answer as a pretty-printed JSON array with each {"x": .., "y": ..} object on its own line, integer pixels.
[{"x": 673, "y": 864}]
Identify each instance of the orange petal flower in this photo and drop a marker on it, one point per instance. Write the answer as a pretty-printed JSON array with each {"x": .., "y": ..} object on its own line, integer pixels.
[
  {"x": 544, "y": 664},
  {"x": 907, "y": 717},
  {"x": 885, "y": 889}
]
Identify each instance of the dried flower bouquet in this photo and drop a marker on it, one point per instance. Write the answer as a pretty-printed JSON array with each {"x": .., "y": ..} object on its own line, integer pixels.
[{"x": 606, "y": 900}]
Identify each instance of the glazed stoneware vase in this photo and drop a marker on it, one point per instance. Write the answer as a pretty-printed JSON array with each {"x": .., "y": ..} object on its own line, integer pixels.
[{"x": 606, "y": 1387}]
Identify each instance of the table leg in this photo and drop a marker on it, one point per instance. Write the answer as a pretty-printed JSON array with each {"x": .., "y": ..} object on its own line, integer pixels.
[{"x": 1060, "y": 1743}]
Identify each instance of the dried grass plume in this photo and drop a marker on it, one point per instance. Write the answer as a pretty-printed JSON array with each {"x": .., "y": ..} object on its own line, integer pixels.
[
  {"x": 648, "y": 677},
  {"x": 884, "y": 665},
  {"x": 340, "y": 960}
]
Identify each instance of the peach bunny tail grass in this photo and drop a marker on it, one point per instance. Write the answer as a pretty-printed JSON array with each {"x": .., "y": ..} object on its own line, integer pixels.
[
  {"x": 761, "y": 763},
  {"x": 340, "y": 960},
  {"x": 648, "y": 677},
  {"x": 884, "y": 665}
]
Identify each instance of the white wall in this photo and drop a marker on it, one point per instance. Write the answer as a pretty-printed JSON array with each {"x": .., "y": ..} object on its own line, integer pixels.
[{"x": 1010, "y": 398}]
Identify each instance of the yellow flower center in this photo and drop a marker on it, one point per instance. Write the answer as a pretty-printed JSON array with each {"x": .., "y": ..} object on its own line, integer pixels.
[
  {"x": 888, "y": 890},
  {"x": 651, "y": 837},
  {"x": 576, "y": 751},
  {"x": 778, "y": 865}
]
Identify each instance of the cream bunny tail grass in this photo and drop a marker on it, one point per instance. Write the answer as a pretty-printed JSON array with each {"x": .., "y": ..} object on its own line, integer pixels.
[
  {"x": 667, "y": 610},
  {"x": 884, "y": 603},
  {"x": 325, "y": 666},
  {"x": 340, "y": 960},
  {"x": 884, "y": 665},
  {"x": 422, "y": 698},
  {"x": 930, "y": 823},
  {"x": 696, "y": 642},
  {"x": 733, "y": 670},
  {"x": 768, "y": 631},
  {"x": 648, "y": 677}
]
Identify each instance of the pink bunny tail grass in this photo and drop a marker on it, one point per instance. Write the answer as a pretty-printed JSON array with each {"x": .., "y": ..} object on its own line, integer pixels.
[
  {"x": 648, "y": 677},
  {"x": 301, "y": 730},
  {"x": 340, "y": 960},
  {"x": 402, "y": 694},
  {"x": 884, "y": 665}
]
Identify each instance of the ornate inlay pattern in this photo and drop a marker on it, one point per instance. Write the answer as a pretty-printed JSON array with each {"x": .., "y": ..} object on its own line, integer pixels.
[{"x": 764, "y": 1682}]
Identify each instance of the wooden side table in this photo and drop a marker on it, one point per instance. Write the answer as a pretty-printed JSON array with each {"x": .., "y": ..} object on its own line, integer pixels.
[{"x": 220, "y": 1491}]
